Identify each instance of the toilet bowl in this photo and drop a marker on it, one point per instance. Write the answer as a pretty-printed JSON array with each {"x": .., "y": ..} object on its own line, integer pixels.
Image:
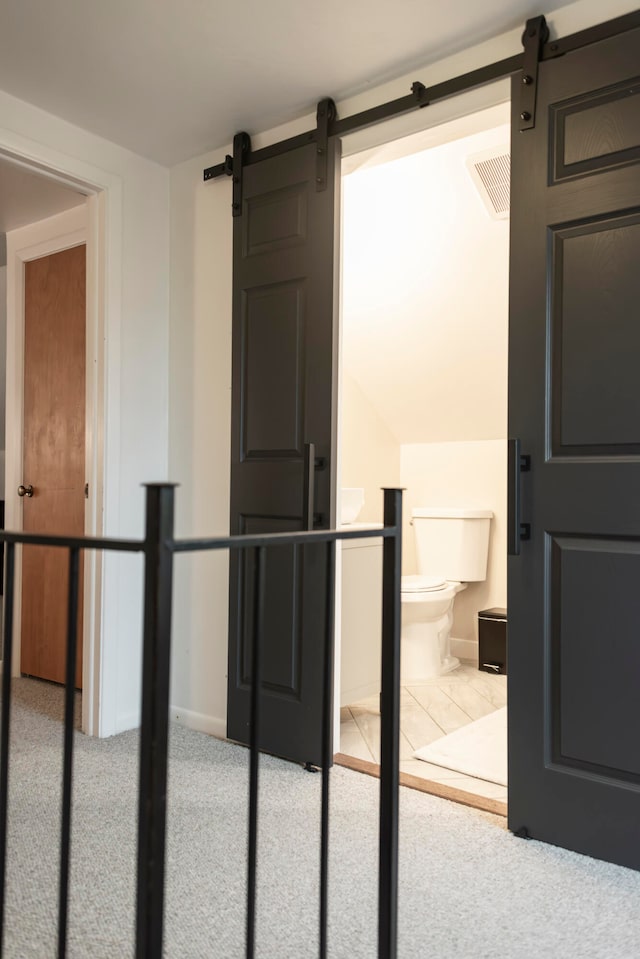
[
  {"x": 452, "y": 550},
  {"x": 427, "y": 617}
]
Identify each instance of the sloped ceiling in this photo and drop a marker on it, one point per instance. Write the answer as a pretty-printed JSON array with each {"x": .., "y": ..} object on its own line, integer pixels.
[
  {"x": 425, "y": 293},
  {"x": 171, "y": 80}
]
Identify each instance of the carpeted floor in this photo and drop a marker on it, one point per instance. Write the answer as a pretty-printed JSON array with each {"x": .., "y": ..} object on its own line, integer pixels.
[{"x": 468, "y": 887}]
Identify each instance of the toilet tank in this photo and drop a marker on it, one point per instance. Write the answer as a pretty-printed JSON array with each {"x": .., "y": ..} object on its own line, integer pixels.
[{"x": 452, "y": 543}]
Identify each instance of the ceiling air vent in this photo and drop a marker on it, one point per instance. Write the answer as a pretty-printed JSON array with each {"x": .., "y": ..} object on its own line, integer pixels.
[{"x": 491, "y": 173}]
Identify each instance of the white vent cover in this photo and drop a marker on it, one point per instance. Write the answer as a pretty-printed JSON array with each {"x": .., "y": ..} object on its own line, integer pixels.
[{"x": 491, "y": 173}]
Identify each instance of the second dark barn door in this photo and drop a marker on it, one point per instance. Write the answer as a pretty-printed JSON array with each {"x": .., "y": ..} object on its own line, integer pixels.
[
  {"x": 283, "y": 396},
  {"x": 574, "y": 403}
]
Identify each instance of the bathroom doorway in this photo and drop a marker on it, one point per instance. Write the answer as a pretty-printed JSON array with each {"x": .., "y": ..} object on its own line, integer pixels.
[{"x": 423, "y": 406}]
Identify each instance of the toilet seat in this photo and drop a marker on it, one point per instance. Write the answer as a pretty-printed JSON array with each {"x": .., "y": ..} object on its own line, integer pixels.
[{"x": 422, "y": 584}]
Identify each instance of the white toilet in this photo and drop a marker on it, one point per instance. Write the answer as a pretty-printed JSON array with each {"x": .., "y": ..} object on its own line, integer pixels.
[{"x": 452, "y": 547}]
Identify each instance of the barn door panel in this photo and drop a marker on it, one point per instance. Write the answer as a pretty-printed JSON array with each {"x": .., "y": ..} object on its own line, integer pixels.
[
  {"x": 283, "y": 438},
  {"x": 574, "y": 405}
]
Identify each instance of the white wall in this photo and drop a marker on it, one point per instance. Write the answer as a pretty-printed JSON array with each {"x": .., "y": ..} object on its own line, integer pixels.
[
  {"x": 370, "y": 453},
  {"x": 425, "y": 291},
  {"x": 132, "y": 269},
  {"x": 470, "y": 474},
  {"x": 201, "y": 232},
  {"x": 200, "y": 437},
  {"x": 3, "y": 369}
]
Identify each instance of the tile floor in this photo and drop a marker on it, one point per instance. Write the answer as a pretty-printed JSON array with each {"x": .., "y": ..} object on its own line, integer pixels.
[{"x": 427, "y": 712}]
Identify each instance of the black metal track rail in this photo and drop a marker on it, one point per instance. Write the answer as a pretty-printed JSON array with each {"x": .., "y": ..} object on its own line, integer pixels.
[{"x": 422, "y": 96}]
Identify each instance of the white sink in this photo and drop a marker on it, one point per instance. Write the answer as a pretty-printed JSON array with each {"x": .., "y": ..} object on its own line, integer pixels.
[{"x": 351, "y": 502}]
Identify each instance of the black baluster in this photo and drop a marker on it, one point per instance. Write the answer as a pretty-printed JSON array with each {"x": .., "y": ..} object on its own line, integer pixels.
[
  {"x": 156, "y": 661},
  {"x": 327, "y": 742},
  {"x": 390, "y": 730},
  {"x": 7, "y": 655},
  {"x": 67, "y": 771},
  {"x": 254, "y": 744}
]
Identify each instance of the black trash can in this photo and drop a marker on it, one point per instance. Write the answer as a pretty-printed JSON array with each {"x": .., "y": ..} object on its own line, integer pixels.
[{"x": 492, "y": 640}]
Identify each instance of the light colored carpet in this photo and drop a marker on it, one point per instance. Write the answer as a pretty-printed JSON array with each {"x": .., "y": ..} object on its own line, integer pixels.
[
  {"x": 468, "y": 887},
  {"x": 478, "y": 749}
]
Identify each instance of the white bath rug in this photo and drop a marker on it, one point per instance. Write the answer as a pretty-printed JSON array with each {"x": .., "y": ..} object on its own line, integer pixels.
[{"x": 478, "y": 749}]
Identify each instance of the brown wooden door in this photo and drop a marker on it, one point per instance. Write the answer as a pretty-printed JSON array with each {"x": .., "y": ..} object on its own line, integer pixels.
[{"x": 54, "y": 452}]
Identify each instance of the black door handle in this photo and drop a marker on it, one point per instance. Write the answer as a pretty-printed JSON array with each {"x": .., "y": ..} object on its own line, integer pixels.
[
  {"x": 517, "y": 531},
  {"x": 308, "y": 485}
]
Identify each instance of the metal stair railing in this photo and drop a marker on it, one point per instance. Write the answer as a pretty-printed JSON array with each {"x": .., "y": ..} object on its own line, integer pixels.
[{"x": 159, "y": 548}]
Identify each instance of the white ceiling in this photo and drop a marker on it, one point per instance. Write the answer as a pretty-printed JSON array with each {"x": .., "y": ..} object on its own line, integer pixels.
[
  {"x": 171, "y": 80},
  {"x": 26, "y": 197}
]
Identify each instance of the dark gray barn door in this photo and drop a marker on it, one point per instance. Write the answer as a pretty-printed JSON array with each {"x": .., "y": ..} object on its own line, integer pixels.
[
  {"x": 574, "y": 402},
  {"x": 283, "y": 395}
]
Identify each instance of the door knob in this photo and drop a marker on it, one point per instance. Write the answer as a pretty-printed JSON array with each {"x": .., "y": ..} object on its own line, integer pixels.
[{"x": 25, "y": 491}]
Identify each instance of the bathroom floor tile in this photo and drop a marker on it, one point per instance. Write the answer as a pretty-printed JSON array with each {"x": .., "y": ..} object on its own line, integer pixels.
[
  {"x": 406, "y": 749},
  {"x": 353, "y": 743},
  {"x": 426, "y": 696},
  {"x": 440, "y": 707},
  {"x": 418, "y": 726},
  {"x": 470, "y": 700},
  {"x": 373, "y": 702},
  {"x": 368, "y": 723},
  {"x": 406, "y": 699},
  {"x": 428, "y": 711},
  {"x": 493, "y": 688}
]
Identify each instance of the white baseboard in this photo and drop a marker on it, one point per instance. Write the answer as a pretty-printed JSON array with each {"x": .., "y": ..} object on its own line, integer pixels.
[
  {"x": 202, "y": 723},
  {"x": 210, "y": 725},
  {"x": 466, "y": 649},
  {"x": 126, "y": 722}
]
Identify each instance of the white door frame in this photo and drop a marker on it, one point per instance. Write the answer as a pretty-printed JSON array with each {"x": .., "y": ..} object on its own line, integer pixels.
[{"x": 103, "y": 236}]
